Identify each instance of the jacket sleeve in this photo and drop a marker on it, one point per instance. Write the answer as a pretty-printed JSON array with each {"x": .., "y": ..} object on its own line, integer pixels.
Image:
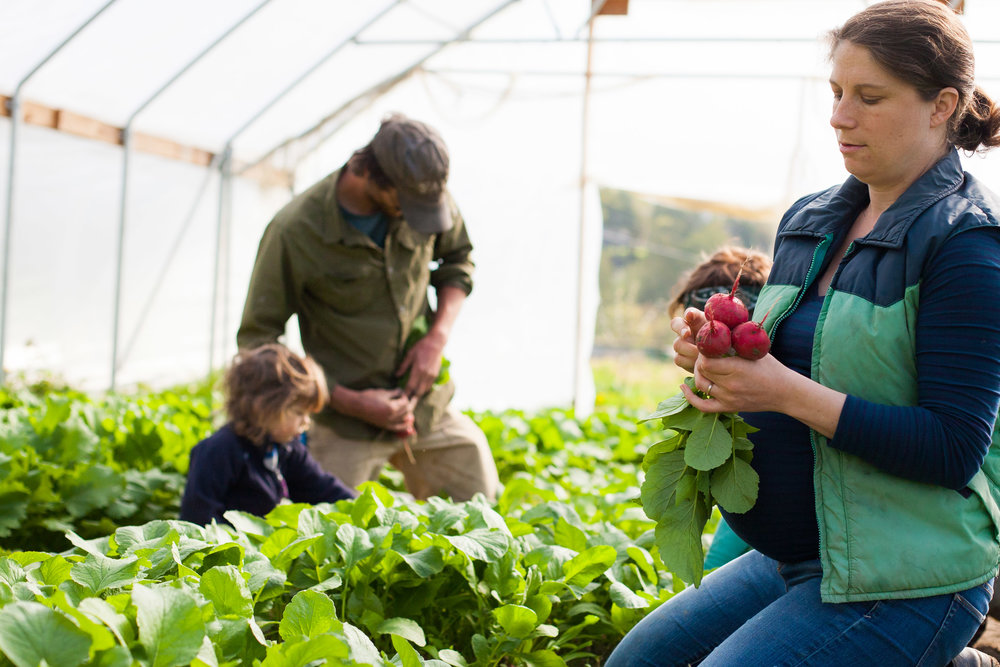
[
  {"x": 453, "y": 252},
  {"x": 309, "y": 483},
  {"x": 272, "y": 295},
  {"x": 212, "y": 470}
]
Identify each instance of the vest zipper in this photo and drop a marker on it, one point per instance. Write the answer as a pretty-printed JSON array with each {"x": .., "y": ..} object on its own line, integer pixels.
[{"x": 818, "y": 253}]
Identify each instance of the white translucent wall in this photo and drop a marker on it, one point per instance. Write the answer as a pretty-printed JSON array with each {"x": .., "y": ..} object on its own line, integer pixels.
[{"x": 722, "y": 100}]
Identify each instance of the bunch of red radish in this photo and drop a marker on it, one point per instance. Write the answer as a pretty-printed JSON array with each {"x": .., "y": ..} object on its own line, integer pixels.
[{"x": 729, "y": 330}]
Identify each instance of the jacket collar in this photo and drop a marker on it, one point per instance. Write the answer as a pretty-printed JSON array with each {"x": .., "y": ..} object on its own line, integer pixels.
[{"x": 828, "y": 212}]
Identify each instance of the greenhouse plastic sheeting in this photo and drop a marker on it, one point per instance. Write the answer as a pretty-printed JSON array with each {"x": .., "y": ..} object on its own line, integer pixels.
[{"x": 116, "y": 251}]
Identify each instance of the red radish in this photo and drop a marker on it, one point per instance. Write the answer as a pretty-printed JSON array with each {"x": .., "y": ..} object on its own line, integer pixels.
[
  {"x": 713, "y": 339},
  {"x": 750, "y": 340},
  {"x": 727, "y": 308}
]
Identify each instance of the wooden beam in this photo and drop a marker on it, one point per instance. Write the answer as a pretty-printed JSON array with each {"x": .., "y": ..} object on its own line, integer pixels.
[
  {"x": 79, "y": 125},
  {"x": 614, "y": 8}
]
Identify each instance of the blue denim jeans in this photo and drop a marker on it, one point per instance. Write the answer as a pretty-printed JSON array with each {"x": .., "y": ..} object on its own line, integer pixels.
[{"x": 755, "y": 611}]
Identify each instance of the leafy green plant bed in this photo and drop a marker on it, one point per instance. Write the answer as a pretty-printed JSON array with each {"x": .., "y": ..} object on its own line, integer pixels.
[
  {"x": 98, "y": 571},
  {"x": 368, "y": 581},
  {"x": 70, "y": 462}
]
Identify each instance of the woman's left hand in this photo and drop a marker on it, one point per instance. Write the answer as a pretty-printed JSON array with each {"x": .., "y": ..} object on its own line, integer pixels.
[{"x": 733, "y": 384}]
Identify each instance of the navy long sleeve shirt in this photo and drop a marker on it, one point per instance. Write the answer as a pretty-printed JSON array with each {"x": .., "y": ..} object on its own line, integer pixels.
[
  {"x": 942, "y": 440},
  {"x": 228, "y": 472}
]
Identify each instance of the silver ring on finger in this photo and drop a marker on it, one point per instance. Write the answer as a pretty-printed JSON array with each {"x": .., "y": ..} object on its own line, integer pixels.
[{"x": 708, "y": 392}]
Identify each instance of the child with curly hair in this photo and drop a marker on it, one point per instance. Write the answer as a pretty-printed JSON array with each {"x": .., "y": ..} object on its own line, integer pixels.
[{"x": 258, "y": 458}]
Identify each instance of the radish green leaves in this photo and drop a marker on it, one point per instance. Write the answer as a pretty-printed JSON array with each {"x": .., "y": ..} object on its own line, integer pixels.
[{"x": 704, "y": 460}]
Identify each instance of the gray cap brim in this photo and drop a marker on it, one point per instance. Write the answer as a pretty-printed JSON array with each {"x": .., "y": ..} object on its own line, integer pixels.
[{"x": 425, "y": 216}]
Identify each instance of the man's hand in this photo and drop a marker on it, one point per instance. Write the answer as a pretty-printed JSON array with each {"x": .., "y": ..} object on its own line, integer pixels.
[
  {"x": 390, "y": 409},
  {"x": 423, "y": 361}
]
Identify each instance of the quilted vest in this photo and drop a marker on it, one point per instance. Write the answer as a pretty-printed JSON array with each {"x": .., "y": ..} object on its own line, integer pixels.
[{"x": 882, "y": 536}]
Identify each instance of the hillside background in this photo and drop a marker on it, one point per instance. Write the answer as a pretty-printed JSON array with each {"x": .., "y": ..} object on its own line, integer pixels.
[{"x": 649, "y": 244}]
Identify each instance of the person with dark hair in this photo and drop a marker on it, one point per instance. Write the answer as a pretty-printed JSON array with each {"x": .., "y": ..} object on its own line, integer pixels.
[
  {"x": 257, "y": 459},
  {"x": 353, "y": 257},
  {"x": 875, "y": 529}
]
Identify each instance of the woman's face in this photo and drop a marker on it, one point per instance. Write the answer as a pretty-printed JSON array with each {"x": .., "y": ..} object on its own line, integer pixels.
[{"x": 888, "y": 135}]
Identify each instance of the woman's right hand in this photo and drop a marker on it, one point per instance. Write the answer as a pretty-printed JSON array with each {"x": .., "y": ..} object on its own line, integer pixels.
[{"x": 685, "y": 350}]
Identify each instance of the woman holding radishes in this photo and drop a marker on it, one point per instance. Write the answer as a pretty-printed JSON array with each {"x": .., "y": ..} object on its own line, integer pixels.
[{"x": 875, "y": 530}]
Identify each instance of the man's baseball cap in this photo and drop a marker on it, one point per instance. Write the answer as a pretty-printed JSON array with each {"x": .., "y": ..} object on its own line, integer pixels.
[{"x": 415, "y": 159}]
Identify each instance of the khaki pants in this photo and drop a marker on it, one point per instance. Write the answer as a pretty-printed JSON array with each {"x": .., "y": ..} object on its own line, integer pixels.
[{"x": 453, "y": 460}]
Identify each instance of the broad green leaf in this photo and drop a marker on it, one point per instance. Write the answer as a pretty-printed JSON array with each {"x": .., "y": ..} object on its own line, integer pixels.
[
  {"x": 670, "y": 406},
  {"x": 544, "y": 658},
  {"x": 286, "y": 514},
  {"x": 426, "y": 562},
  {"x": 355, "y": 544},
  {"x": 550, "y": 558},
  {"x": 453, "y": 658},
  {"x": 678, "y": 537},
  {"x": 248, "y": 523},
  {"x": 516, "y": 620},
  {"x": 709, "y": 445},
  {"x": 584, "y": 568},
  {"x": 570, "y": 536},
  {"x": 225, "y": 587},
  {"x": 446, "y": 518},
  {"x": 408, "y": 656},
  {"x": 116, "y": 656},
  {"x": 734, "y": 485},
  {"x": 104, "y": 612},
  {"x": 153, "y": 535},
  {"x": 26, "y": 558},
  {"x": 55, "y": 570},
  {"x": 171, "y": 628},
  {"x": 624, "y": 597},
  {"x": 101, "y": 638},
  {"x": 13, "y": 510},
  {"x": 31, "y": 634},
  {"x": 688, "y": 419},
  {"x": 480, "y": 647},
  {"x": 481, "y": 544},
  {"x": 11, "y": 571},
  {"x": 658, "y": 488},
  {"x": 362, "y": 649},
  {"x": 540, "y": 604},
  {"x": 330, "y": 583},
  {"x": 263, "y": 575},
  {"x": 206, "y": 655},
  {"x": 96, "y": 486},
  {"x": 687, "y": 486},
  {"x": 302, "y": 652},
  {"x": 100, "y": 573},
  {"x": 363, "y": 509},
  {"x": 404, "y": 627},
  {"x": 94, "y": 546},
  {"x": 309, "y": 614},
  {"x": 274, "y": 543},
  {"x": 644, "y": 560},
  {"x": 293, "y": 550}
]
